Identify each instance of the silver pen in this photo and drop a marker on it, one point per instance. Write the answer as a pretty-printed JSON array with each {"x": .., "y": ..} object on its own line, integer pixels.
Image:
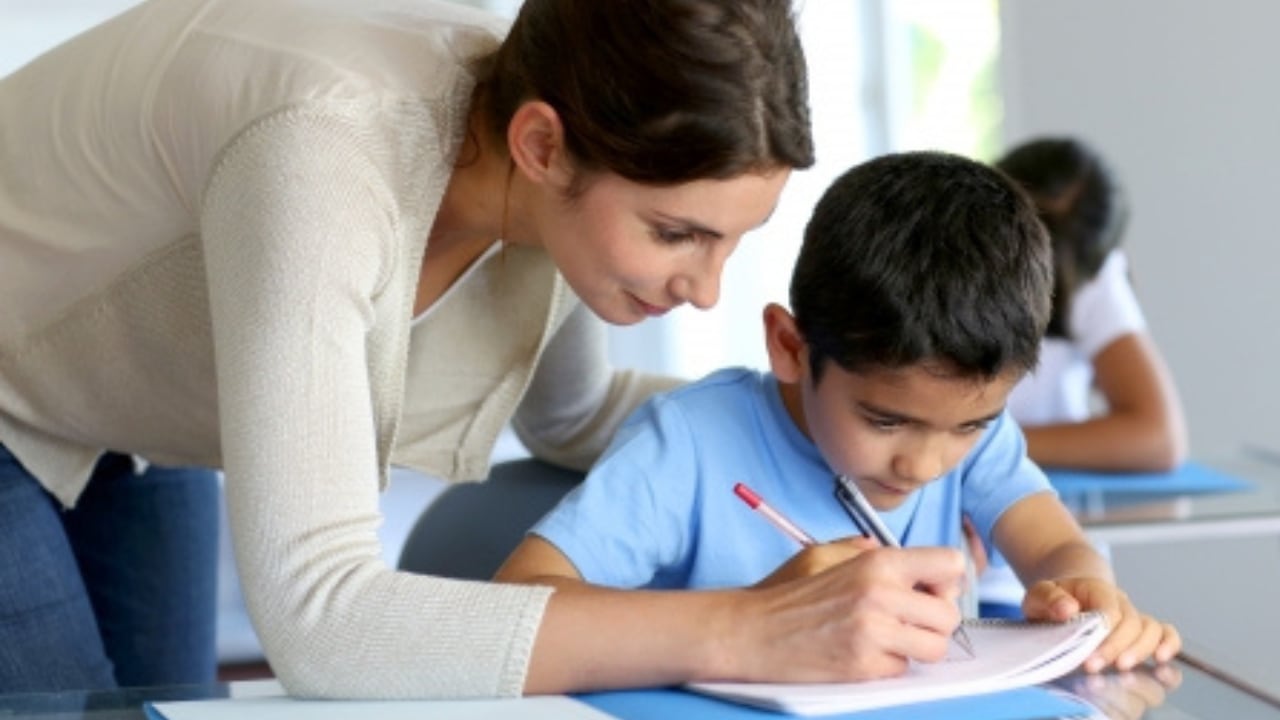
[{"x": 870, "y": 524}]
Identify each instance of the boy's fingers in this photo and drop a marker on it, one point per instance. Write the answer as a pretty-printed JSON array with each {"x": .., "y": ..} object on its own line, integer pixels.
[
  {"x": 1143, "y": 646},
  {"x": 1047, "y": 600},
  {"x": 1123, "y": 635},
  {"x": 977, "y": 551},
  {"x": 1170, "y": 644}
]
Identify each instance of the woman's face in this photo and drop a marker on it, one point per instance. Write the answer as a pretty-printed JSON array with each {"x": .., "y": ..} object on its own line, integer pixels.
[{"x": 632, "y": 251}]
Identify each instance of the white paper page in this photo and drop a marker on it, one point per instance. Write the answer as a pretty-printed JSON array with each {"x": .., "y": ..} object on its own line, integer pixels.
[
  {"x": 549, "y": 707},
  {"x": 1007, "y": 655}
]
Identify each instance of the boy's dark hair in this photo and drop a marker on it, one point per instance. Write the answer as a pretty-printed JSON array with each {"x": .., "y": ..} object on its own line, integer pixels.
[
  {"x": 660, "y": 91},
  {"x": 923, "y": 257},
  {"x": 1080, "y": 203}
]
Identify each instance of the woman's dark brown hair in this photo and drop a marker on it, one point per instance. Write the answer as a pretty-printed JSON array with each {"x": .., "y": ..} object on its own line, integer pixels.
[{"x": 660, "y": 91}]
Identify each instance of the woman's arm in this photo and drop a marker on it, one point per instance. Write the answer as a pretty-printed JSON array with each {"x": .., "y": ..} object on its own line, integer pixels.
[
  {"x": 299, "y": 225},
  {"x": 576, "y": 399},
  {"x": 859, "y": 620},
  {"x": 1143, "y": 427}
]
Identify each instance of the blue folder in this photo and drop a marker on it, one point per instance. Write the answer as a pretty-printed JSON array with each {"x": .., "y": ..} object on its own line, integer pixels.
[
  {"x": 1188, "y": 478},
  {"x": 1029, "y": 703}
]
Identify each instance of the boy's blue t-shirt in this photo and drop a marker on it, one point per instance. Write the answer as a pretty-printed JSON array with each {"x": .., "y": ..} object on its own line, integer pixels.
[{"x": 659, "y": 510}]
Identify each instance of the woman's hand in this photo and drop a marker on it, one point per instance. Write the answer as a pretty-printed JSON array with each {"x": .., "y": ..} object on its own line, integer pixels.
[
  {"x": 1135, "y": 637},
  {"x": 815, "y": 559},
  {"x": 863, "y": 617}
]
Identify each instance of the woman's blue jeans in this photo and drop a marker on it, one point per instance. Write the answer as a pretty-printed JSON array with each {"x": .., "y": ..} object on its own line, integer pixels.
[{"x": 119, "y": 591}]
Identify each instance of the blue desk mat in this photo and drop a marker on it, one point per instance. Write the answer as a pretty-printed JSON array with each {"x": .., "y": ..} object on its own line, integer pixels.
[
  {"x": 1029, "y": 703},
  {"x": 1188, "y": 478}
]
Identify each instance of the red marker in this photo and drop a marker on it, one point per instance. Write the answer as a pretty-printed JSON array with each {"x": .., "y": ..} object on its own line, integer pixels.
[{"x": 778, "y": 519}]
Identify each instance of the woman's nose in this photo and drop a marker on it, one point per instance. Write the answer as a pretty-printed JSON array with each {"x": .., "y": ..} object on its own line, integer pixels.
[{"x": 700, "y": 287}]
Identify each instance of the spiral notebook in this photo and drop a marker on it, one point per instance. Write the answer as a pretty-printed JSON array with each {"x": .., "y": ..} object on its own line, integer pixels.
[{"x": 1007, "y": 654}]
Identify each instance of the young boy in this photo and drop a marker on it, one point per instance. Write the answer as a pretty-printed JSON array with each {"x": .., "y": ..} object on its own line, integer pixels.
[{"x": 918, "y": 301}]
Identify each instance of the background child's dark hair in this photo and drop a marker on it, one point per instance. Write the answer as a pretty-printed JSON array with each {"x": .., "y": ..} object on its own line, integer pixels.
[
  {"x": 923, "y": 257},
  {"x": 1080, "y": 203},
  {"x": 660, "y": 91}
]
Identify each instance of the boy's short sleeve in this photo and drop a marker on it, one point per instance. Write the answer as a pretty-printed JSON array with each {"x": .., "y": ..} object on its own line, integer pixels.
[
  {"x": 630, "y": 520},
  {"x": 997, "y": 474}
]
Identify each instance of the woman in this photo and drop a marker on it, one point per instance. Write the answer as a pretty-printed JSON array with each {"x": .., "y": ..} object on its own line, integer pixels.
[{"x": 265, "y": 237}]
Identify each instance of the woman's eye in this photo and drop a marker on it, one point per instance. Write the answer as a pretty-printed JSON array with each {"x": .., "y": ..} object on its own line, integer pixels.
[{"x": 675, "y": 237}]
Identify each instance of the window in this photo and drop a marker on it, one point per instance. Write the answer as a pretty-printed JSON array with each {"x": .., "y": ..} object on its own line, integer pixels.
[{"x": 942, "y": 73}]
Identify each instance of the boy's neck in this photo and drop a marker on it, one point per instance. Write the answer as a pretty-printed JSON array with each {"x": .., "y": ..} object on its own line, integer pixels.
[{"x": 794, "y": 404}]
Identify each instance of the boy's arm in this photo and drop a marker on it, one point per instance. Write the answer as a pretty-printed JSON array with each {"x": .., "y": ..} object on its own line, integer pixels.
[
  {"x": 1042, "y": 541},
  {"x": 1064, "y": 576}
]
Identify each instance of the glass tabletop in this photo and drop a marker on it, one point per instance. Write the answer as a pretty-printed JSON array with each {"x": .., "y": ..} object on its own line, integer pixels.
[
  {"x": 1178, "y": 691},
  {"x": 1126, "y": 516}
]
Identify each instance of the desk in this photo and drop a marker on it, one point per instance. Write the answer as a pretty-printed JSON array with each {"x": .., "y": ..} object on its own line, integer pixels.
[
  {"x": 1126, "y": 517},
  {"x": 1199, "y": 695},
  {"x": 1209, "y": 563}
]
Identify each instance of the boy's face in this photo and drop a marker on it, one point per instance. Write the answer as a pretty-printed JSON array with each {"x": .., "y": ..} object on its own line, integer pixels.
[{"x": 893, "y": 431}]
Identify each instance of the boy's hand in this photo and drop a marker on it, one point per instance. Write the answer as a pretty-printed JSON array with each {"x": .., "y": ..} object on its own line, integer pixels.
[
  {"x": 1135, "y": 637},
  {"x": 817, "y": 558}
]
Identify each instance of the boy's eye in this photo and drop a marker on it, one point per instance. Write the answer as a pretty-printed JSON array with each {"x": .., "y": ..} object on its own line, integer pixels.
[
  {"x": 880, "y": 423},
  {"x": 974, "y": 427}
]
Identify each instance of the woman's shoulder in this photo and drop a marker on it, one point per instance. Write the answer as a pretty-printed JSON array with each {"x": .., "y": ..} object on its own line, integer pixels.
[{"x": 408, "y": 48}]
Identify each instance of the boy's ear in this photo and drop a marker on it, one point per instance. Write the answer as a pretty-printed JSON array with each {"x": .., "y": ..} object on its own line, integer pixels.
[
  {"x": 535, "y": 139},
  {"x": 788, "y": 352}
]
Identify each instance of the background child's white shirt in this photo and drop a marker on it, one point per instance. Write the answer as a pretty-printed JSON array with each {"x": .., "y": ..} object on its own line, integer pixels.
[{"x": 1103, "y": 310}]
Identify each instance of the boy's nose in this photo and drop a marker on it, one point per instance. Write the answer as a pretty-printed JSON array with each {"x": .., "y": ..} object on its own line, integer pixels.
[{"x": 918, "y": 467}]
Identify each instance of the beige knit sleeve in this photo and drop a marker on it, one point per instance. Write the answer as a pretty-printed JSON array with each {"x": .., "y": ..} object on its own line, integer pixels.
[
  {"x": 577, "y": 399},
  {"x": 296, "y": 223}
]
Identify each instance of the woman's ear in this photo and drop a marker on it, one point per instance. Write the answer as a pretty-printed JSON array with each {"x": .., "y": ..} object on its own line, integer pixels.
[
  {"x": 788, "y": 352},
  {"x": 535, "y": 139}
]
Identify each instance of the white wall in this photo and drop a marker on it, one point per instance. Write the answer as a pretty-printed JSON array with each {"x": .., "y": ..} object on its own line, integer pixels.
[
  {"x": 1182, "y": 96},
  {"x": 29, "y": 27}
]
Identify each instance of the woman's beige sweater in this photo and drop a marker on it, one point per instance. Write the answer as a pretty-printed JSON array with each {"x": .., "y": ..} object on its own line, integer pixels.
[{"x": 212, "y": 217}]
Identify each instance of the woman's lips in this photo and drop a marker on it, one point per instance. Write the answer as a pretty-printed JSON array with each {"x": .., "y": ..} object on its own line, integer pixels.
[{"x": 650, "y": 310}]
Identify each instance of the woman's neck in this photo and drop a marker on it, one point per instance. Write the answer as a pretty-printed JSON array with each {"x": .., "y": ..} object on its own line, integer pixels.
[
  {"x": 470, "y": 219},
  {"x": 476, "y": 199}
]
